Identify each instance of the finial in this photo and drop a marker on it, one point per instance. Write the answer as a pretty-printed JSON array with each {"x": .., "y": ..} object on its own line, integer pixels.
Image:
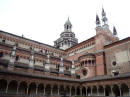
[
  {"x": 68, "y": 19},
  {"x": 104, "y": 18},
  {"x": 97, "y": 21},
  {"x": 114, "y": 31}
]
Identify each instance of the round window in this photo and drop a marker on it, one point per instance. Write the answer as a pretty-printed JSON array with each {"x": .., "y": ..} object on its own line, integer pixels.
[
  {"x": 114, "y": 63},
  {"x": 84, "y": 72}
]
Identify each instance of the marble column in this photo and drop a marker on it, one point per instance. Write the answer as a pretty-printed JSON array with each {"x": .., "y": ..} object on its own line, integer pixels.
[
  {"x": 120, "y": 91},
  {"x": 27, "y": 90},
  {"x": 112, "y": 91},
  {"x": 17, "y": 89},
  {"x": 80, "y": 91},
  {"x": 129, "y": 91},
  {"x": 44, "y": 91},
  {"x": 86, "y": 91},
  {"x": 51, "y": 91},
  {"x": 91, "y": 92},
  {"x": 36, "y": 90},
  {"x": 75, "y": 92},
  {"x": 97, "y": 92},
  {"x": 7, "y": 88},
  {"x": 70, "y": 91},
  {"x": 58, "y": 92}
]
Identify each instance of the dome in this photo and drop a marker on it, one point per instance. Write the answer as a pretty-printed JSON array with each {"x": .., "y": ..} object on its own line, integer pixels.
[{"x": 68, "y": 22}]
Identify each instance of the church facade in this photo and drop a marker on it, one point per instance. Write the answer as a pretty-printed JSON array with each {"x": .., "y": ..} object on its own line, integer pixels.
[{"x": 98, "y": 66}]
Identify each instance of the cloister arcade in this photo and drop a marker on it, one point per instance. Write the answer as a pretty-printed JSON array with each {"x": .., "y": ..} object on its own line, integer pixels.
[{"x": 23, "y": 88}]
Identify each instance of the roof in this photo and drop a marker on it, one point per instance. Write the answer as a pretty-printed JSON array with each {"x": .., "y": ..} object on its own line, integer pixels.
[
  {"x": 30, "y": 40},
  {"x": 75, "y": 46},
  {"x": 117, "y": 42}
]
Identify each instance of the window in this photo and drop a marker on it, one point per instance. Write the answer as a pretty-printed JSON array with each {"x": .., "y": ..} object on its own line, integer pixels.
[
  {"x": 1, "y": 54},
  {"x": 84, "y": 72},
  {"x": 17, "y": 58},
  {"x": 114, "y": 63},
  {"x": 116, "y": 73},
  {"x": 67, "y": 27},
  {"x": 3, "y": 41}
]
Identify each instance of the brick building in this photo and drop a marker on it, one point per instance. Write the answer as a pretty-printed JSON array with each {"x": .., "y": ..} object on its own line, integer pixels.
[{"x": 98, "y": 66}]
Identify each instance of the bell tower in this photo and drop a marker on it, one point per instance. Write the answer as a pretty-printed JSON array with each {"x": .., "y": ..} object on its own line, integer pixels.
[{"x": 67, "y": 37}]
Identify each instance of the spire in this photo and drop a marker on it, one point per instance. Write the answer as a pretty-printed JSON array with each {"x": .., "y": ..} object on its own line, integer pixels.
[
  {"x": 97, "y": 21},
  {"x": 104, "y": 18},
  {"x": 114, "y": 31},
  {"x": 67, "y": 25}
]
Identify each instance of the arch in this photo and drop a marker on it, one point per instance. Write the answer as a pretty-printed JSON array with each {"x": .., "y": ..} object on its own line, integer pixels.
[
  {"x": 124, "y": 90},
  {"x": 61, "y": 90},
  {"x": 116, "y": 90},
  {"x": 94, "y": 89},
  {"x": 12, "y": 87},
  {"x": 23, "y": 88},
  {"x": 108, "y": 91},
  {"x": 89, "y": 61},
  {"x": 55, "y": 90},
  {"x": 73, "y": 91},
  {"x": 3, "y": 85},
  {"x": 89, "y": 91},
  {"x": 32, "y": 88},
  {"x": 67, "y": 90},
  {"x": 48, "y": 89},
  {"x": 101, "y": 90},
  {"x": 83, "y": 91},
  {"x": 40, "y": 89},
  {"x": 78, "y": 90}
]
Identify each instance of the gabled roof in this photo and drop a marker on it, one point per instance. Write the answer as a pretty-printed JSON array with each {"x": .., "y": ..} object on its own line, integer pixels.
[
  {"x": 81, "y": 43},
  {"x": 30, "y": 40},
  {"x": 117, "y": 42}
]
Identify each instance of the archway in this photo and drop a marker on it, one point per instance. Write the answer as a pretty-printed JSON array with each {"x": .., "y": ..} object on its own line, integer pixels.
[
  {"x": 62, "y": 90},
  {"x": 40, "y": 89},
  {"x": 108, "y": 90},
  {"x": 12, "y": 87},
  {"x": 73, "y": 91},
  {"x": 55, "y": 90},
  {"x": 78, "y": 90},
  {"x": 48, "y": 89},
  {"x": 124, "y": 90},
  {"x": 67, "y": 91},
  {"x": 3, "y": 85},
  {"x": 23, "y": 88},
  {"x": 32, "y": 89},
  {"x": 116, "y": 90},
  {"x": 83, "y": 91},
  {"x": 94, "y": 89},
  {"x": 88, "y": 91},
  {"x": 101, "y": 91}
]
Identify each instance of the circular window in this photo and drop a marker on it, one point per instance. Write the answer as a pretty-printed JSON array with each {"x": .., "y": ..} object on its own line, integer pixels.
[
  {"x": 84, "y": 72},
  {"x": 114, "y": 63}
]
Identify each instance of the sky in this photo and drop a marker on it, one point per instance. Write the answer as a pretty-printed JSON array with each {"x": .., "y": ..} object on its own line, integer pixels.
[{"x": 43, "y": 20}]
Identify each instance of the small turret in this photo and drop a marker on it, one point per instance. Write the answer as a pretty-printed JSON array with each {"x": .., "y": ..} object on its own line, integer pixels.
[
  {"x": 104, "y": 18},
  {"x": 115, "y": 32},
  {"x": 67, "y": 37},
  {"x": 97, "y": 21},
  {"x": 67, "y": 25}
]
